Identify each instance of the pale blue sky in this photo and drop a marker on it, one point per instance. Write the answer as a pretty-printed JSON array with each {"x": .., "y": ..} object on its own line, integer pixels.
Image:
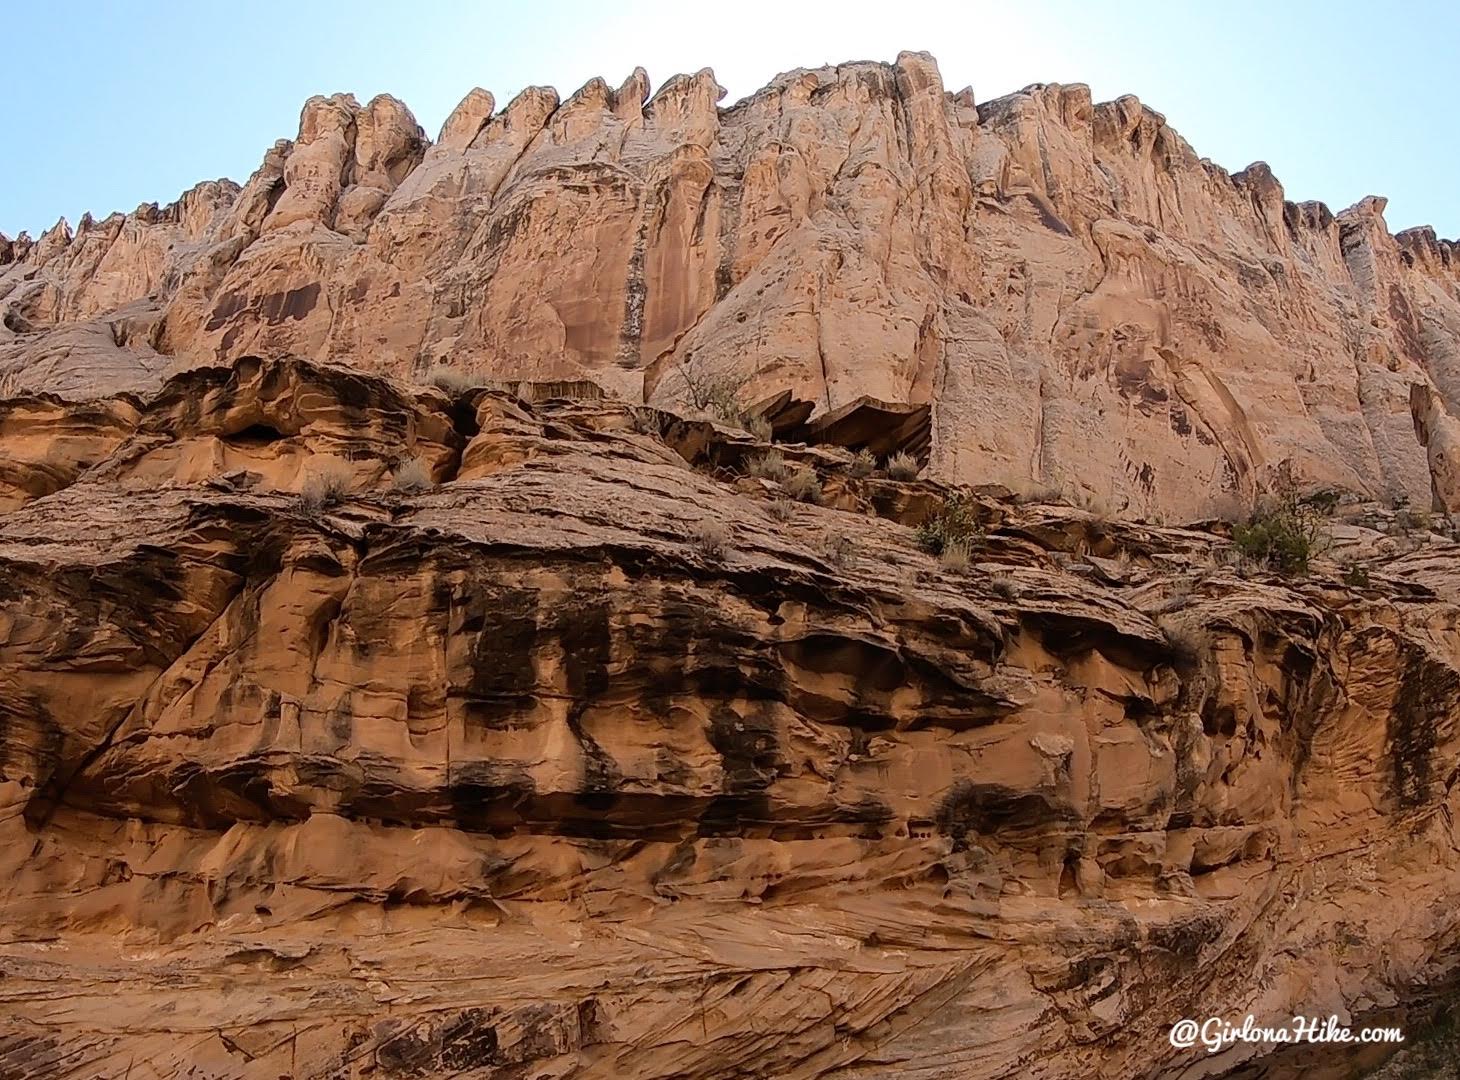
[{"x": 112, "y": 104}]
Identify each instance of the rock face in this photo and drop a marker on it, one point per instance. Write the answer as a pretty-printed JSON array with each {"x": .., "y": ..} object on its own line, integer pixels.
[
  {"x": 1082, "y": 302},
  {"x": 586, "y": 757}
]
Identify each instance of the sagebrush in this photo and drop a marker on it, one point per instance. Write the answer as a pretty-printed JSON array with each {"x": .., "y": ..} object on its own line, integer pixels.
[
  {"x": 956, "y": 523},
  {"x": 903, "y": 466},
  {"x": 453, "y": 380},
  {"x": 711, "y": 539},
  {"x": 864, "y": 463},
  {"x": 327, "y": 484},
  {"x": 412, "y": 477},
  {"x": 803, "y": 485},
  {"x": 768, "y": 466}
]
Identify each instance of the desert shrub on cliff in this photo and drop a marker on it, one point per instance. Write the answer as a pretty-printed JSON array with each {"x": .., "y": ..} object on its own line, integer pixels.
[
  {"x": 454, "y": 380},
  {"x": 1286, "y": 530},
  {"x": 1282, "y": 533},
  {"x": 715, "y": 395},
  {"x": 903, "y": 466},
  {"x": 838, "y": 548},
  {"x": 412, "y": 477},
  {"x": 711, "y": 538},
  {"x": 956, "y": 555},
  {"x": 782, "y": 509},
  {"x": 1283, "y": 541},
  {"x": 327, "y": 485},
  {"x": 863, "y": 463},
  {"x": 768, "y": 466},
  {"x": 647, "y": 421},
  {"x": 803, "y": 485},
  {"x": 761, "y": 428},
  {"x": 956, "y": 523}
]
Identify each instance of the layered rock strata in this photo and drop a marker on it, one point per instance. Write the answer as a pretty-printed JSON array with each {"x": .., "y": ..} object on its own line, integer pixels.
[{"x": 591, "y": 756}]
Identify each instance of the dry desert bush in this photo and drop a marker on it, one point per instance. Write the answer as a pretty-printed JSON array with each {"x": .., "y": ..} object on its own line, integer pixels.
[
  {"x": 412, "y": 478},
  {"x": 803, "y": 485},
  {"x": 327, "y": 484},
  {"x": 903, "y": 466},
  {"x": 768, "y": 466},
  {"x": 454, "y": 380},
  {"x": 864, "y": 463},
  {"x": 711, "y": 538}
]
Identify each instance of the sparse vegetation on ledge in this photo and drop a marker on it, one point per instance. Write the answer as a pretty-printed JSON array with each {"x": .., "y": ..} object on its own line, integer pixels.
[
  {"x": 1283, "y": 533},
  {"x": 711, "y": 538},
  {"x": 768, "y": 466},
  {"x": 412, "y": 477},
  {"x": 903, "y": 466},
  {"x": 327, "y": 485},
  {"x": 955, "y": 524},
  {"x": 454, "y": 380},
  {"x": 803, "y": 485}
]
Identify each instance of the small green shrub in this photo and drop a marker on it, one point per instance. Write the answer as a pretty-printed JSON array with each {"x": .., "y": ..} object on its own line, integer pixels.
[
  {"x": 803, "y": 485},
  {"x": 863, "y": 463},
  {"x": 903, "y": 466},
  {"x": 956, "y": 523},
  {"x": 1285, "y": 535},
  {"x": 1356, "y": 576},
  {"x": 768, "y": 466},
  {"x": 327, "y": 485}
]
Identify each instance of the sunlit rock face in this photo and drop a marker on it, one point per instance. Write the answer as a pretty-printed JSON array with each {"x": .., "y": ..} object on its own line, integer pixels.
[
  {"x": 587, "y": 754},
  {"x": 1083, "y": 302}
]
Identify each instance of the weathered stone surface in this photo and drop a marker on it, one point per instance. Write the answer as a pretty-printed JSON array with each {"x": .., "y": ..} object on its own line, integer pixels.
[
  {"x": 1082, "y": 302},
  {"x": 518, "y": 776}
]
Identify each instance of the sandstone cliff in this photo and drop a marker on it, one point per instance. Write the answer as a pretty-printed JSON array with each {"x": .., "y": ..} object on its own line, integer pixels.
[
  {"x": 359, "y": 722},
  {"x": 525, "y": 770},
  {"x": 1085, "y": 303}
]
